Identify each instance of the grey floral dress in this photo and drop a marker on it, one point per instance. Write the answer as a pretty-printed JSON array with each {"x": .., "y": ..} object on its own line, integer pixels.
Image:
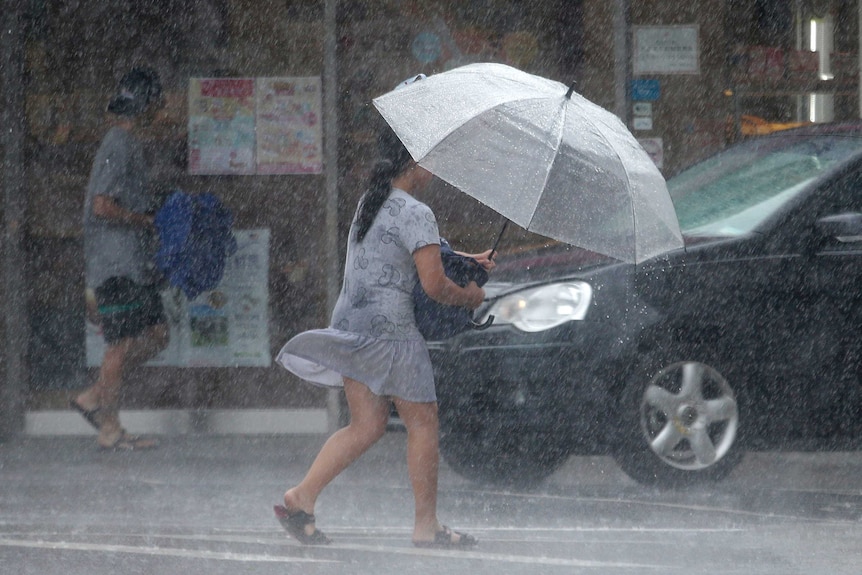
[{"x": 372, "y": 336}]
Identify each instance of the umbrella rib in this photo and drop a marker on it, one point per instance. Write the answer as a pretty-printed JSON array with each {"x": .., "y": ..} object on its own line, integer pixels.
[
  {"x": 628, "y": 180},
  {"x": 487, "y": 108},
  {"x": 562, "y": 125}
]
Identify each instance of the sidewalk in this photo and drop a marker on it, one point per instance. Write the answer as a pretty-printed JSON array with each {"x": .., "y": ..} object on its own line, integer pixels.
[{"x": 173, "y": 422}]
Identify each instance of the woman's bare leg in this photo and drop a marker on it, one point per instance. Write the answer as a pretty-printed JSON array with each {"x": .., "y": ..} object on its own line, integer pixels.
[
  {"x": 369, "y": 415},
  {"x": 423, "y": 461}
]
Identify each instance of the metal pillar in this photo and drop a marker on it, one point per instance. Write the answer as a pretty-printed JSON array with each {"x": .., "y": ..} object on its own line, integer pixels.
[
  {"x": 330, "y": 141},
  {"x": 15, "y": 320}
]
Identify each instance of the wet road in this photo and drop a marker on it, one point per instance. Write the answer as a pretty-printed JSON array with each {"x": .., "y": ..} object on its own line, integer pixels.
[{"x": 203, "y": 505}]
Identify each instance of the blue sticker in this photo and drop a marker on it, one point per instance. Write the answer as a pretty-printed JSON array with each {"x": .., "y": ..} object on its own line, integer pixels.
[{"x": 645, "y": 90}]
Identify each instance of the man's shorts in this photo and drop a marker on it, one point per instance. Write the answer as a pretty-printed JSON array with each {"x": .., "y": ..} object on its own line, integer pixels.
[{"x": 127, "y": 308}]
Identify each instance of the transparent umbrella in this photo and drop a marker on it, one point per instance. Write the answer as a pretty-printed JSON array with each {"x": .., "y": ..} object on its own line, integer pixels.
[{"x": 540, "y": 154}]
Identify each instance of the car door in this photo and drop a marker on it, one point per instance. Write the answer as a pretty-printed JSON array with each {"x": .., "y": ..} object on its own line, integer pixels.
[{"x": 832, "y": 279}]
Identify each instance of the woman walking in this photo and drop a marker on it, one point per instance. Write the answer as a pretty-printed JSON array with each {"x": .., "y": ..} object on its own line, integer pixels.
[{"x": 374, "y": 350}]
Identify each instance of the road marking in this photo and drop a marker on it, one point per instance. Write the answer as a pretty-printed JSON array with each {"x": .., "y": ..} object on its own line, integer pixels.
[
  {"x": 664, "y": 504},
  {"x": 266, "y": 558},
  {"x": 158, "y": 551},
  {"x": 525, "y": 559}
]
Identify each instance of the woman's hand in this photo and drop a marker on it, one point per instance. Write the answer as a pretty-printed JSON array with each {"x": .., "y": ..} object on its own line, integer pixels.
[
  {"x": 483, "y": 259},
  {"x": 475, "y": 294}
]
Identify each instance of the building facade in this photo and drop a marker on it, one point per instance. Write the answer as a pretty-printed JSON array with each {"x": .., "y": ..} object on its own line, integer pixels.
[{"x": 688, "y": 78}]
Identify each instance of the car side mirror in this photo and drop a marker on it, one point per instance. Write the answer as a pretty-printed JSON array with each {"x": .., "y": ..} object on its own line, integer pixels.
[{"x": 846, "y": 228}]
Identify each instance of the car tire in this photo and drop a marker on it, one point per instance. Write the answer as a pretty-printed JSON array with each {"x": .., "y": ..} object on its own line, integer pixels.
[
  {"x": 498, "y": 453},
  {"x": 678, "y": 422}
]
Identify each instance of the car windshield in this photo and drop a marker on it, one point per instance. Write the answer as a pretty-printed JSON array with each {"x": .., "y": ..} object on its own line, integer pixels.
[{"x": 734, "y": 191}]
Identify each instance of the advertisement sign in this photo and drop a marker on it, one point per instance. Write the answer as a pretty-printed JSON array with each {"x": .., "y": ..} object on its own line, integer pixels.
[
  {"x": 666, "y": 50},
  {"x": 288, "y": 126},
  {"x": 227, "y": 326},
  {"x": 221, "y": 126}
]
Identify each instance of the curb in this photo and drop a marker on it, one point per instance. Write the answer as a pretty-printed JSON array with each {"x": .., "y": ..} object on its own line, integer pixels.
[{"x": 182, "y": 422}]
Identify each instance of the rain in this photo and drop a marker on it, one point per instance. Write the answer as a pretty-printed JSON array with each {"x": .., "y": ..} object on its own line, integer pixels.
[{"x": 664, "y": 373}]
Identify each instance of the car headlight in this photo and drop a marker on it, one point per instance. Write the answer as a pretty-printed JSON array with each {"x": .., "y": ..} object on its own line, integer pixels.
[{"x": 543, "y": 307}]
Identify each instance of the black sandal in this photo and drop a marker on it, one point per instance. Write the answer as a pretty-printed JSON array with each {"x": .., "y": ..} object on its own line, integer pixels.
[
  {"x": 126, "y": 442},
  {"x": 295, "y": 523},
  {"x": 88, "y": 414},
  {"x": 444, "y": 539}
]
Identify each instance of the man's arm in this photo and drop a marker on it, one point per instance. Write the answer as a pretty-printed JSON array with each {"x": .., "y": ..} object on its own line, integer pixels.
[{"x": 107, "y": 208}]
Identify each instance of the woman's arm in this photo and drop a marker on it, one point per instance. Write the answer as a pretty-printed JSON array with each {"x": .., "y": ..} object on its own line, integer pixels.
[{"x": 440, "y": 288}]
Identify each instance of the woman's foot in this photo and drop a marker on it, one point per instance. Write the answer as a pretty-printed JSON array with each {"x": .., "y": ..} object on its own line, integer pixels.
[
  {"x": 446, "y": 538},
  {"x": 297, "y": 517},
  {"x": 300, "y": 525}
]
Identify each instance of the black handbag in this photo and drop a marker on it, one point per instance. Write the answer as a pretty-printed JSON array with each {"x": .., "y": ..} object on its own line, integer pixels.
[{"x": 438, "y": 321}]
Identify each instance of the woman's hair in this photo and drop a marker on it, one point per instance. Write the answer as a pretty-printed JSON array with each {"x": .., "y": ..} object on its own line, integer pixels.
[{"x": 394, "y": 158}]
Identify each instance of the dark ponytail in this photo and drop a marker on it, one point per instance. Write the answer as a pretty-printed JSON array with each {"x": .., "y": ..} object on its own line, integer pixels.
[{"x": 394, "y": 158}]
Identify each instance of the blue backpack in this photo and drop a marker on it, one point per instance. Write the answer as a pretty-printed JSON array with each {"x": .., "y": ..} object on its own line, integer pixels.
[{"x": 195, "y": 240}]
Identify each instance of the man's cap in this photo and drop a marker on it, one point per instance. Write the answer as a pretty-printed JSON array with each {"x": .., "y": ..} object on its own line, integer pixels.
[{"x": 138, "y": 88}]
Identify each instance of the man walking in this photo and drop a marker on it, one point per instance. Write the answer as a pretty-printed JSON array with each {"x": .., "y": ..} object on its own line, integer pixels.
[{"x": 118, "y": 223}]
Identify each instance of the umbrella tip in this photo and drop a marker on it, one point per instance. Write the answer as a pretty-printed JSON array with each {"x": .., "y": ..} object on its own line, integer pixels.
[{"x": 571, "y": 91}]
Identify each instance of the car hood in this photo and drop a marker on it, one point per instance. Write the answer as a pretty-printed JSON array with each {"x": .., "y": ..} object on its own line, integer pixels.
[
  {"x": 546, "y": 262},
  {"x": 558, "y": 261}
]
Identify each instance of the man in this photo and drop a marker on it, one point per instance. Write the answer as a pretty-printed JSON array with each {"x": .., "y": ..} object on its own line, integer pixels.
[{"x": 118, "y": 223}]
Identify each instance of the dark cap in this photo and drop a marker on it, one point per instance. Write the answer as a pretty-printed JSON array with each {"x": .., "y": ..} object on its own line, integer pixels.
[{"x": 138, "y": 89}]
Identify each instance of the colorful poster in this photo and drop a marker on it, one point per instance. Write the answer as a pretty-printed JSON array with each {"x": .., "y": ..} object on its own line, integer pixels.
[
  {"x": 289, "y": 126},
  {"x": 221, "y": 126},
  {"x": 229, "y": 326},
  {"x": 225, "y": 327},
  {"x": 255, "y": 126}
]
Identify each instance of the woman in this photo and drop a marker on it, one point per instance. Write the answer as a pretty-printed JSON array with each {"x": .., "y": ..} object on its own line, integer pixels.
[{"x": 374, "y": 349}]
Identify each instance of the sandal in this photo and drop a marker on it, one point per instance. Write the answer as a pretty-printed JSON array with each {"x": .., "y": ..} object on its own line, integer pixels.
[
  {"x": 295, "y": 523},
  {"x": 126, "y": 442},
  {"x": 445, "y": 539},
  {"x": 89, "y": 414}
]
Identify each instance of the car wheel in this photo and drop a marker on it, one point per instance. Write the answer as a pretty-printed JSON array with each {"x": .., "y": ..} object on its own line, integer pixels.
[
  {"x": 499, "y": 453},
  {"x": 678, "y": 424}
]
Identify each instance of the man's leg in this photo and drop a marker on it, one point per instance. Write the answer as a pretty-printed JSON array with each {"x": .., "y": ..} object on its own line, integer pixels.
[
  {"x": 131, "y": 339},
  {"x": 128, "y": 354}
]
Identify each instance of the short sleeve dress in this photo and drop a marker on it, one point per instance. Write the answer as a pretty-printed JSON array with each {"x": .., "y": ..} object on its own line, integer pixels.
[{"x": 372, "y": 337}]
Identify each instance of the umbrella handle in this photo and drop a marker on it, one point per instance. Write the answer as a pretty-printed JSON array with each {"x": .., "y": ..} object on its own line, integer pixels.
[
  {"x": 484, "y": 325},
  {"x": 497, "y": 242}
]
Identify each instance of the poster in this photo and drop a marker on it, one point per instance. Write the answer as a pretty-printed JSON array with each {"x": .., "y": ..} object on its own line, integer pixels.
[
  {"x": 221, "y": 126},
  {"x": 246, "y": 126},
  {"x": 227, "y": 326},
  {"x": 289, "y": 126}
]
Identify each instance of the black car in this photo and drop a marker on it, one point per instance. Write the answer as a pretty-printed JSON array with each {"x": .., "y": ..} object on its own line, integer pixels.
[{"x": 749, "y": 337}]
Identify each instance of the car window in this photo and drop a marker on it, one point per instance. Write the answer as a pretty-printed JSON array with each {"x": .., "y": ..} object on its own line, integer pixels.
[{"x": 734, "y": 191}]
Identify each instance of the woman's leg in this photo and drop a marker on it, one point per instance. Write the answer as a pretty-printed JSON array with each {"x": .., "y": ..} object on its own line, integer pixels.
[
  {"x": 369, "y": 415},
  {"x": 423, "y": 459}
]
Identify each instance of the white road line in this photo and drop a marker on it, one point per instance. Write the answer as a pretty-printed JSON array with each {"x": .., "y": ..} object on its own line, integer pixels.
[
  {"x": 265, "y": 558},
  {"x": 464, "y": 554},
  {"x": 158, "y": 551},
  {"x": 689, "y": 507}
]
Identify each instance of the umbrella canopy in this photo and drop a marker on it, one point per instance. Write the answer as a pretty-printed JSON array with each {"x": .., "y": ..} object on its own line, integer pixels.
[{"x": 541, "y": 155}]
